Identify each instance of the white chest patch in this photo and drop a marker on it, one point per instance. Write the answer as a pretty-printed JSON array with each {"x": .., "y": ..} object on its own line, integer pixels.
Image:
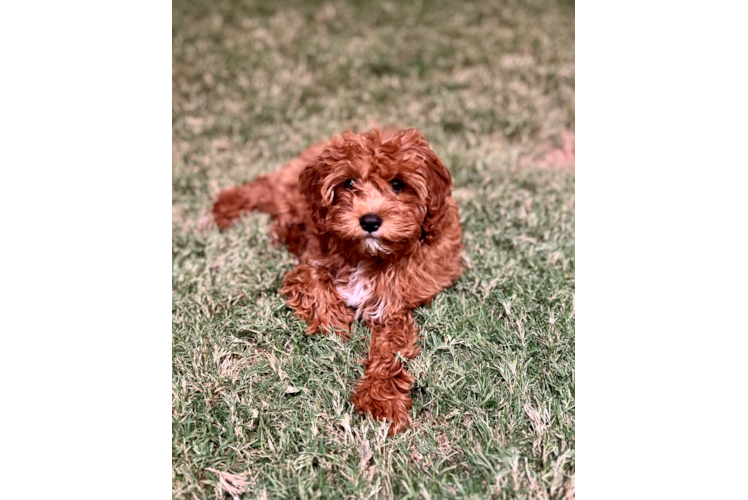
[
  {"x": 357, "y": 289},
  {"x": 358, "y": 292}
]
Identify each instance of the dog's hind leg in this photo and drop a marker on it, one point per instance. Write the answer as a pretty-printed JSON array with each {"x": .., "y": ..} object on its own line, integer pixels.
[
  {"x": 234, "y": 201},
  {"x": 276, "y": 194},
  {"x": 291, "y": 223}
]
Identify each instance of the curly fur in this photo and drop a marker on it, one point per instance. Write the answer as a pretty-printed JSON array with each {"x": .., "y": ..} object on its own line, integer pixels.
[{"x": 346, "y": 273}]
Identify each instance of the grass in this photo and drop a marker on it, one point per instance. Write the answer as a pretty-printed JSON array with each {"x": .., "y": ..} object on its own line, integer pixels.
[{"x": 261, "y": 410}]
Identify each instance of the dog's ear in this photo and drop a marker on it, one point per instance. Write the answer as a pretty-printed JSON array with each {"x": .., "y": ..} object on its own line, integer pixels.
[
  {"x": 311, "y": 181},
  {"x": 320, "y": 177},
  {"x": 438, "y": 181}
]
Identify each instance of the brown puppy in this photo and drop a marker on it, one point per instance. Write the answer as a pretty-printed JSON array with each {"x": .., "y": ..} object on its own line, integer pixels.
[{"x": 377, "y": 232}]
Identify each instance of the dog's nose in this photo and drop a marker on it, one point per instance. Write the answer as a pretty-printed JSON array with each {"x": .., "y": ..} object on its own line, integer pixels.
[{"x": 370, "y": 222}]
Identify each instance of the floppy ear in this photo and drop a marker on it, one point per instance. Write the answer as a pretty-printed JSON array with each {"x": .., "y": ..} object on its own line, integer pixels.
[
  {"x": 438, "y": 182},
  {"x": 440, "y": 188},
  {"x": 311, "y": 182},
  {"x": 318, "y": 180}
]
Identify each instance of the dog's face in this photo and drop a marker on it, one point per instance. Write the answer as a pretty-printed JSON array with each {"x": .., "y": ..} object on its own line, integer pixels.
[{"x": 378, "y": 196}]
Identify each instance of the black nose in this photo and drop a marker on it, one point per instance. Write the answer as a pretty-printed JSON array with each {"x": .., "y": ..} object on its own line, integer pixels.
[{"x": 370, "y": 222}]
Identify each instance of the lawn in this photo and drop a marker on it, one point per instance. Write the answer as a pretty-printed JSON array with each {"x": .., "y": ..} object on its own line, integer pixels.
[{"x": 261, "y": 410}]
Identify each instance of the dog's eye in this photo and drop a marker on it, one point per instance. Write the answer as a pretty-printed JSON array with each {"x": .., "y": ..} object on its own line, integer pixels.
[
  {"x": 349, "y": 183},
  {"x": 397, "y": 185}
]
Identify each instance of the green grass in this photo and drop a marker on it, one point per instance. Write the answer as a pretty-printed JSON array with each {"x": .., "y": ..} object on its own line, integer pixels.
[{"x": 491, "y": 86}]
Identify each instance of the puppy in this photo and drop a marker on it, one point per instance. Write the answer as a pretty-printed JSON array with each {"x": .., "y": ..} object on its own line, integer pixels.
[{"x": 377, "y": 233}]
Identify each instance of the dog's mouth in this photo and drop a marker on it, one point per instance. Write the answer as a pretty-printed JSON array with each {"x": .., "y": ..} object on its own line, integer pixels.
[
  {"x": 376, "y": 244},
  {"x": 372, "y": 245}
]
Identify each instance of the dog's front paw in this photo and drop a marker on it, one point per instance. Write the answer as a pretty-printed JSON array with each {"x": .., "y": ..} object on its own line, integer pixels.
[
  {"x": 310, "y": 294},
  {"x": 384, "y": 399}
]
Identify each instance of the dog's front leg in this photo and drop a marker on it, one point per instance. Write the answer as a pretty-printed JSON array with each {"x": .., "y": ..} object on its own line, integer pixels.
[
  {"x": 385, "y": 389},
  {"x": 311, "y": 293}
]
